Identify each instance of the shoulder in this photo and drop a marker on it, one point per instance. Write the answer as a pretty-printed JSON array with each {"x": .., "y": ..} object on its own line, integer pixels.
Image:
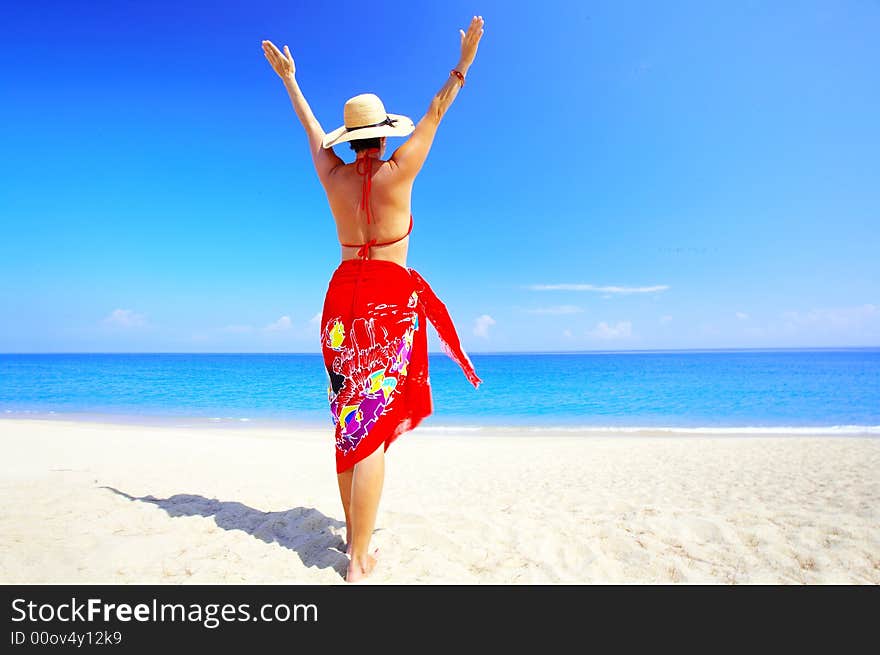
[{"x": 327, "y": 163}]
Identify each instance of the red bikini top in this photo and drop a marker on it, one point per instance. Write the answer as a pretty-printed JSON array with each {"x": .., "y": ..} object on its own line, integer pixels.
[{"x": 367, "y": 156}]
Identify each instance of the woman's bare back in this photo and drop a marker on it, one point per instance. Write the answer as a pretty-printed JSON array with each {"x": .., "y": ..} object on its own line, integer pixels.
[{"x": 390, "y": 208}]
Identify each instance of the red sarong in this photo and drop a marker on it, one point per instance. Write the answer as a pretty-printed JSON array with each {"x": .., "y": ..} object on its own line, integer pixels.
[{"x": 375, "y": 348}]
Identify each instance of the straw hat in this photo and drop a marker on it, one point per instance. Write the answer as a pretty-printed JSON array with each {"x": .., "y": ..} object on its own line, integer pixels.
[{"x": 365, "y": 118}]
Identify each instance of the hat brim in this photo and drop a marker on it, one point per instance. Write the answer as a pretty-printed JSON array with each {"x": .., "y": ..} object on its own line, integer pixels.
[{"x": 403, "y": 127}]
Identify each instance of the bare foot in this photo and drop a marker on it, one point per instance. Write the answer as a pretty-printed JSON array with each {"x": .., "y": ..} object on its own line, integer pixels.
[{"x": 359, "y": 570}]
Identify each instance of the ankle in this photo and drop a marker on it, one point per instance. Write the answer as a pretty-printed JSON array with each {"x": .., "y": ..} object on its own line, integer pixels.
[{"x": 361, "y": 560}]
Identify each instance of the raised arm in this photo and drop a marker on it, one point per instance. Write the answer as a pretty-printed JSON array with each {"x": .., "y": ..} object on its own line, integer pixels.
[
  {"x": 410, "y": 156},
  {"x": 325, "y": 159}
]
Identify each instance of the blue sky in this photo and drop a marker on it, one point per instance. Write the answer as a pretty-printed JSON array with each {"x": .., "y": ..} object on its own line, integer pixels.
[{"x": 614, "y": 175}]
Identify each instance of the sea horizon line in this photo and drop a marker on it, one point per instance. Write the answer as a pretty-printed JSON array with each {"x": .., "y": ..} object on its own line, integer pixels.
[{"x": 470, "y": 352}]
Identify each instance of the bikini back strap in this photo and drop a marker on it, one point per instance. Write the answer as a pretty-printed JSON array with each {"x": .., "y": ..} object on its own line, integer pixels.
[{"x": 364, "y": 248}]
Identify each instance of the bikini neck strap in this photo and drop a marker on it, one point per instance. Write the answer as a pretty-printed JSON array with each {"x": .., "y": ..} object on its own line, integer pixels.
[{"x": 368, "y": 156}]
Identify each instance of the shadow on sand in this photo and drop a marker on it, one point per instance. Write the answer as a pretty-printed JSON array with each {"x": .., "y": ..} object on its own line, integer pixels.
[{"x": 304, "y": 530}]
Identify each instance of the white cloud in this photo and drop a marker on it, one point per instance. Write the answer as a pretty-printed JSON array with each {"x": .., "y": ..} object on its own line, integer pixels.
[
  {"x": 833, "y": 317},
  {"x": 482, "y": 325},
  {"x": 282, "y": 324},
  {"x": 125, "y": 318},
  {"x": 665, "y": 319},
  {"x": 709, "y": 328},
  {"x": 238, "y": 329},
  {"x": 822, "y": 326},
  {"x": 556, "y": 309},
  {"x": 642, "y": 67},
  {"x": 620, "y": 330},
  {"x": 742, "y": 316},
  {"x": 566, "y": 333},
  {"x": 593, "y": 287}
]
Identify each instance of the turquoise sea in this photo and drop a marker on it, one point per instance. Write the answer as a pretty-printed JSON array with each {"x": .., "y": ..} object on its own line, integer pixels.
[{"x": 834, "y": 390}]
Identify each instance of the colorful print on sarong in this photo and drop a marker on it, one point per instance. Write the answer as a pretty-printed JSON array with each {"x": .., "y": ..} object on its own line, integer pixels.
[
  {"x": 375, "y": 350},
  {"x": 372, "y": 361}
]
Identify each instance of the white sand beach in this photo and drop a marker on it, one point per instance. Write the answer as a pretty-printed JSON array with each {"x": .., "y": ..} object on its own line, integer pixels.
[{"x": 111, "y": 503}]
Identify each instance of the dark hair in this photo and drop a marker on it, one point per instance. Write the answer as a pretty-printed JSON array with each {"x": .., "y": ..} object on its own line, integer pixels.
[{"x": 362, "y": 144}]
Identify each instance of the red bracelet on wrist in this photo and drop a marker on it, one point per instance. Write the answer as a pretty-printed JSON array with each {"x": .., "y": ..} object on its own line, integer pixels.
[{"x": 458, "y": 75}]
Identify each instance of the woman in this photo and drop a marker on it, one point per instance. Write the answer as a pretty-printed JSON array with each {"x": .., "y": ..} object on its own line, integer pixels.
[{"x": 376, "y": 309}]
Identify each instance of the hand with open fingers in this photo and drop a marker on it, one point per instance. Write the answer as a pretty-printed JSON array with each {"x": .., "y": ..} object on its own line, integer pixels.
[
  {"x": 282, "y": 63},
  {"x": 471, "y": 40}
]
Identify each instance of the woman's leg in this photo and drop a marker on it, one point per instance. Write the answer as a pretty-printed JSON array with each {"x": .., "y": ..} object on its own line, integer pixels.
[
  {"x": 366, "y": 489},
  {"x": 344, "y": 480}
]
